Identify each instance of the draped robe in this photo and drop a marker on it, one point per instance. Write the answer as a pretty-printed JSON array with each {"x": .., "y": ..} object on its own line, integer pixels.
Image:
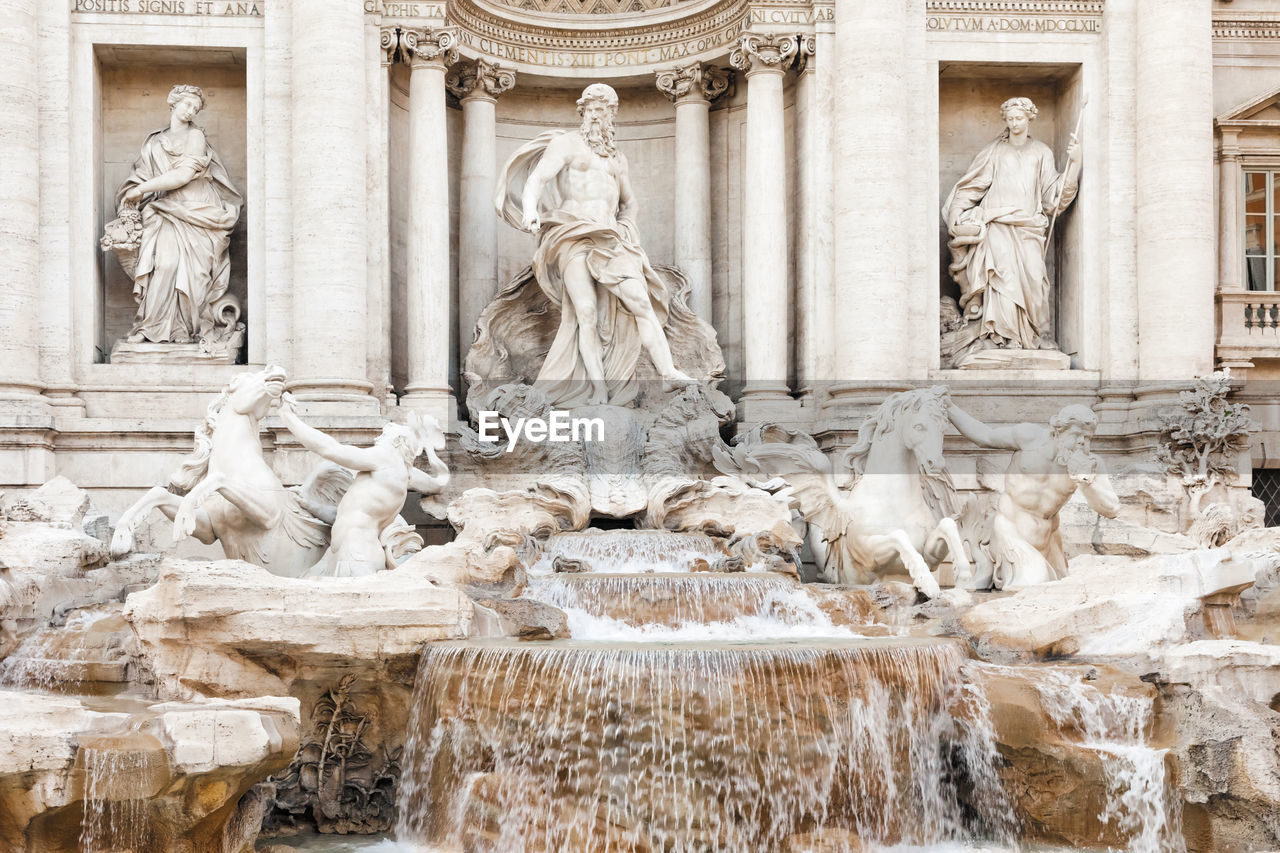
[
  {"x": 183, "y": 263},
  {"x": 613, "y": 254},
  {"x": 1012, "y": 191}
]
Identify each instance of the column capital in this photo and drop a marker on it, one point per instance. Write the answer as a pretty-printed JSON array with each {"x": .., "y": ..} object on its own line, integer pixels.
[
  {"x": 479, "y": 78},
  {"x": 806, "y": 47},
  {"x": 388, "y": 42},
  {"x": 696, "y": 82},
  {"x": 763, "y": 52},
  {"x": 433, "y": 46}
]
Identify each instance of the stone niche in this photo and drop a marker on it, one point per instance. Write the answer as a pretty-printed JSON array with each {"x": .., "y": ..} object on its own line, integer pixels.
[
  {"x": 969, "y": 99},
  {"x": 133, "y": 85}
]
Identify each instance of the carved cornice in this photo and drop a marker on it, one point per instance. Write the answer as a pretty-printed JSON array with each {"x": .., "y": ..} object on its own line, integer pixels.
[
  {"x": 763, "y": 51},
  {"x": 1246, "y": 28},
  {"x": 695, "y": 82},
  {"x": 429, "y": 46},
  {"x": 479, "y": 78}
]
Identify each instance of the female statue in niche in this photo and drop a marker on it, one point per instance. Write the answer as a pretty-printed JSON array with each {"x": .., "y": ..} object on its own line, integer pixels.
[
  {"x": 998, "y": 217},
  {"x": 176, "y": 211}
]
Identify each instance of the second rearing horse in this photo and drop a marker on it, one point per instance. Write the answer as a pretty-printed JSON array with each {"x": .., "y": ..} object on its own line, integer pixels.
[{"x": 897, "y": 511}]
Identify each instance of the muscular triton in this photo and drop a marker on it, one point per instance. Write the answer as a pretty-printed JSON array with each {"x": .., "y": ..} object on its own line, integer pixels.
[
  {"x": 1047, "y": 467},
  {"x": 574, "y": 192}
]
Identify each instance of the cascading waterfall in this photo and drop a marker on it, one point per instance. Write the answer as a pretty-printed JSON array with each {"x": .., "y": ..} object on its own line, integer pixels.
[
  {"x": 679, "y": 607},
  {"x": 1140, "y": 799},
  {"x": 696, "y": 747},
  {"x": 119, "y": 776},
  {"x": 629, "y": 551}
]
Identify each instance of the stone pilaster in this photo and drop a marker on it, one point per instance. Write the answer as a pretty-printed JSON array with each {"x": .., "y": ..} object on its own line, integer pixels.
[
  {"x": 1175, "y": 227},
  {"x": 814, "y": 298},
  {"x": 692, "y": 88},
  {"x": 329, "y": 201},
  {"x": 384, "y": 42},
  {"x": 429, "y": 52},
  {"x": 764, "y": 59},
  {"x": 20, "y": 204},
  {"x": 1229, "y": 246},
  {"x": 872, "y": 139},
  {"x": 477, "y": 85}
]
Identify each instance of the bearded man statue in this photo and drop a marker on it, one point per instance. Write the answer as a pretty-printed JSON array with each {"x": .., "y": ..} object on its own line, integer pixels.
[{"x": 572, "y": 189}]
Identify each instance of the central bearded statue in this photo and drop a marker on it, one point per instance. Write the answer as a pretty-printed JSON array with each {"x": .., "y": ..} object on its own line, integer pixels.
[{"x": 572, "y": 190}]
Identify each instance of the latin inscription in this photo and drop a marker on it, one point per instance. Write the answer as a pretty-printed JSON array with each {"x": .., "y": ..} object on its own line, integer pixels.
[
  {"x": 1008, "y": 24},
  {"x": 404, "y": 10},
  {"x": 212, "y": 8}
]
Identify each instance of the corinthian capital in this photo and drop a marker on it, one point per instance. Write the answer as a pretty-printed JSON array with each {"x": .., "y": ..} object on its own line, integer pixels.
[
  {"x": 694, "y": 82},
  {"x": 433, "y": 45},
  {"x": 479, "y": 77},
  {"x": 757, "y": 52}
]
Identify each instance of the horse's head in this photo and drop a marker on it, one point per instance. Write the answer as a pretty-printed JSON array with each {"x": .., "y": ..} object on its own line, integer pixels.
[
  {"x": 251, "y": 394},
  {"x": 915, "y": 420},
  {"x": 921, "y": 421}
]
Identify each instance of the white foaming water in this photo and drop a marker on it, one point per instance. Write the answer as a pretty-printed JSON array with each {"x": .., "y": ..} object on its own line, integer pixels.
[
  {"x": 55, "y": 655},
  {"x": 628, "y": 551},
  {"x": 1139, "y": 799},
  {"x": 689, "y": 608}
]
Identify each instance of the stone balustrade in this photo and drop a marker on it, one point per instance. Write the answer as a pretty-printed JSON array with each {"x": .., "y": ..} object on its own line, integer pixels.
[{"x": 1248, "y": 327}]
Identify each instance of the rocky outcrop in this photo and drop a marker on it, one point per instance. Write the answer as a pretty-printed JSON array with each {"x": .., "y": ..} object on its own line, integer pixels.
[
  {"x": 131, "y": 775},
  {"x": 1221, "y": 698},
  {"x": 231, "y": 629},
  {"x": 1110, "y": 608}
]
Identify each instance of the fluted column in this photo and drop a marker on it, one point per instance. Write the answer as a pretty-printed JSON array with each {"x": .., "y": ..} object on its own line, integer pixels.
[
  {"x": 329, "y": 203},
  {"x": 1229, "y": 249},
  {"x": 764, "y": 217},
  {"x": 692, "y": 88},
  {"x": 429, "y": 52},
  {"x": 19, "y": 202},
  {"x": 1175, "y": 228},
  {"x": 477, "y": 84},
  {"x": 871, "y": 185}
]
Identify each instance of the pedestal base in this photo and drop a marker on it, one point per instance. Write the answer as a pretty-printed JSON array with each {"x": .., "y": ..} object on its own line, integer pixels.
[
  {"x": 146, "y": 352},
  {"x": 1014, "y": 359}
]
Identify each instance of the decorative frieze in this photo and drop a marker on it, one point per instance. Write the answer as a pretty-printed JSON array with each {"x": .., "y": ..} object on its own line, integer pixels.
[
  {"x": 479, "y": 77},
  {"x": 693, "y": 82},
  {"x": 1246, "y": 28}
]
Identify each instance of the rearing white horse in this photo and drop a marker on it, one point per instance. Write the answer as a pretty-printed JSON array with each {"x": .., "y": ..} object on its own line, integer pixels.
[
  {"x": 226, "y": 492},
  {"x": 897, "y": 511}
]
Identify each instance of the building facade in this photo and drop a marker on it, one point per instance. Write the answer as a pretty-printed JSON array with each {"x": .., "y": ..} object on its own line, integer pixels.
[{"x": 790, "y": 158}]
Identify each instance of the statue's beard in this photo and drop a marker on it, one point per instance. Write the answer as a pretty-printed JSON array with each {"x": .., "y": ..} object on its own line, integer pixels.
[
  {"x": 599, "y": 136},
  {"x": 1077, "y": 460}
]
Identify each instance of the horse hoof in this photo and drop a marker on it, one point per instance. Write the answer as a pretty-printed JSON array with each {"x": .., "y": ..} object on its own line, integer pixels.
[{"x": 121, "y": 542}]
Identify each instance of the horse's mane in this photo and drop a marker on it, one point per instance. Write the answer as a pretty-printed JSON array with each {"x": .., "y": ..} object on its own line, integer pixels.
[
  {"x": 939, "y": 489},
  {"x": 194, "y": 468}
]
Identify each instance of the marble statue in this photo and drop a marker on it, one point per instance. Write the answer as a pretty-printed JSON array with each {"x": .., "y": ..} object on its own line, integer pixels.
[
  {"x": 573, "y": 190},
  {"x": 226, "y": 492},
  {"x": 1020, "y": 544},
  {"x": 176, "y": 212},
  {"x": 896, "y": 513},
  {"x": 999, "y": 217},
  {"x": 384, "y": 474}
]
